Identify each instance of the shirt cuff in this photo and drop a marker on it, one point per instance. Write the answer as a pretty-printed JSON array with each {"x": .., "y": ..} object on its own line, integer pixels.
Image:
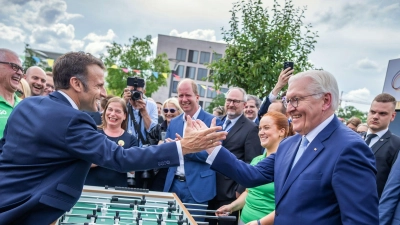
[
  {"x": 179, "y": 148},
  {"x": 214, "y": 153},
  {"x": 271, "y": 97}
]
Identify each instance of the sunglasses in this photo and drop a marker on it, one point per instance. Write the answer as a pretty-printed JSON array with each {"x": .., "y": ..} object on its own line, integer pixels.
[
  {"x": 14, "y": 66},
  {"x": 171, "y": 110}
]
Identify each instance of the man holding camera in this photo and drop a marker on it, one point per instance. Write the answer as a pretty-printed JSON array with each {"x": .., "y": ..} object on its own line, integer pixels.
[{"x": 142, "y": 117}]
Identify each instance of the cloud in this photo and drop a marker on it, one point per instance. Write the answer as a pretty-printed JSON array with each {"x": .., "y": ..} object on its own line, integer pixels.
[
  {"x": 12, "y": 34},
  {"x": 98, "y": 43},
  {"x": 366, "y": 64},
  {"x": 206, "y": 35},
  {"x": 360, "y": 97},
  {"x": 59, "y": 35}
]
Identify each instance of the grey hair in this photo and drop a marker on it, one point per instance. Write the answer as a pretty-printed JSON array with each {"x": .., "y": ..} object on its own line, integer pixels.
[
  {"x": 256, "y": 100},
  {"x": 5, "y": 53},
  {"x": 241, "y": 90},
  {"x": 322, "y": 82}
]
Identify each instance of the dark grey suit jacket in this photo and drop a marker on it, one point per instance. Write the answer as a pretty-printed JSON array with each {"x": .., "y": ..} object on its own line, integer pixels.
[
  {"x": 385, "y": 150},
  {"x": 244, "y": 143}
]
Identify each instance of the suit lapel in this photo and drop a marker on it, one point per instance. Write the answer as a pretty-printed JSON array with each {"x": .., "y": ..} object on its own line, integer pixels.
[
  {"x": 236, "y": 127},
  {"x": 312, "y": 151},
  {"x": 385, "y": 138}
]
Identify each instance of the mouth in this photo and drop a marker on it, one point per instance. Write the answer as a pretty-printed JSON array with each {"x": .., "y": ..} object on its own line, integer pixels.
[
  {"x": 37, "y": 87},
  {"x": 294, "y": 117},
  {"x": 112, "y": 119}
]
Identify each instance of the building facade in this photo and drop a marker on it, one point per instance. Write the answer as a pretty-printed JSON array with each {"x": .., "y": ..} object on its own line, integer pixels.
[{"x": 188, "y": 59}]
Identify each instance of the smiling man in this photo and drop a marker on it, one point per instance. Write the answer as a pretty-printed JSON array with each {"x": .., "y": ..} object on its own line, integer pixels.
[
  {"x": 252, "y": 107},
  {"x": 36, "y": 78},
  {"x": 325, "y": 174},
  {"x": 10, "y": 75},
  {"x": 44, "y": 159}
]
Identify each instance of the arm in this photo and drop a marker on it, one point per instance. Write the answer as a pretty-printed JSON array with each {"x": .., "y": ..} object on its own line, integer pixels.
[
  {"x": 353, "y": 172},
  {"x": 266, "y": 220},
  {"x": 236, "y": 205},
  {"x": 246, "y": 175},
  {"x": 390, "y": 196}
]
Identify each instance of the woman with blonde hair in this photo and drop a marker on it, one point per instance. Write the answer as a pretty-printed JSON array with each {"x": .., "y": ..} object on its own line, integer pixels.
[
  {"x": 23, "y": 90},
  {"x": 114, "y": 124}
]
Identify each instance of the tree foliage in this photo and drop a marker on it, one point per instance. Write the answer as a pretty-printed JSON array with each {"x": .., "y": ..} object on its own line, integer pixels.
[
  {"x": 219, "y": 100},
  {"x": 259, "y": 41},
  {"x": 136, "y": 56},
  {"x": 349, "y": 111}
]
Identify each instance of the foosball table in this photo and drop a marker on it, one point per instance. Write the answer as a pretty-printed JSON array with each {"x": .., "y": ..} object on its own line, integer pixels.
[{"x": 126, "y": 206}]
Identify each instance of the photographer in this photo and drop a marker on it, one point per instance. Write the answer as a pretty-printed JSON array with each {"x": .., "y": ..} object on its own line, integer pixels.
[{"x": 142, "y": 117}]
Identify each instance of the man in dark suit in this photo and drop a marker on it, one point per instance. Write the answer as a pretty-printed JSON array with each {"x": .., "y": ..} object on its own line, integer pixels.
[
  {"x": 242, "y": 141},
  {"x": 49, "y": 145},
  {"x": 325, "y": 174},
  {"x": 189, "y": 179},
  {"x": 251, "y": 108},
  {"x": 383, "y": 143}
]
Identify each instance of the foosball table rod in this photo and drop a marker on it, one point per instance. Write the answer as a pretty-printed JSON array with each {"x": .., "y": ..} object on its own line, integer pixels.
[{"x": 142, "y": 200}]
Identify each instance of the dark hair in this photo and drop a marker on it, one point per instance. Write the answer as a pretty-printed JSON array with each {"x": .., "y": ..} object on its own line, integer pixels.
[
  {"x": 73, "y": 64},
  {"x": 104, "y": 101},
  {"x": 354, "y": 121},
  {"x": 384, "y": 97}
]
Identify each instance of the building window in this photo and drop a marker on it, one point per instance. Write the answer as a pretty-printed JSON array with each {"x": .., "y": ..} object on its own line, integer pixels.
[
  {"x": 224, "y": 90},
  {"x": 181, "y": 54},
  {"x": 201, "y": 90},
  {"x": 202, "y": 74},
  {"x": 211, "y": 93},
  {"x": 204, "y": 57},
  {"x": 201, "y": 103},
  {"x": 193, "y": 56},
  {"x": 216, "y": 56},
  {"x": 174, "y": 86},
  {"x": 206, "y": 105},
  {"x": 179, "y": 71},
  {"x": 190, "y": 72}
]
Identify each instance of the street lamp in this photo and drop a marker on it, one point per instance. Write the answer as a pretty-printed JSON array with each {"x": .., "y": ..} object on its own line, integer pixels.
[{"x": 174, "y": 68}]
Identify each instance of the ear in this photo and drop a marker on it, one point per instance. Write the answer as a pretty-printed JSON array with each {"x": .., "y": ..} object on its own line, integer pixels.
[
  {"x": 393, "y": 116},
  {"x": 327, "y": 97},
  {"x": 282, "y": 132},
  {"x": 76, "y": 84}
]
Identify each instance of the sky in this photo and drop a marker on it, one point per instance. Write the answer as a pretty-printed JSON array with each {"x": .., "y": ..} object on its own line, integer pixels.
[{"x": 356, "y": 39}]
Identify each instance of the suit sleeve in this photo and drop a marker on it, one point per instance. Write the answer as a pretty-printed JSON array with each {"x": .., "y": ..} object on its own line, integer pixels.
[
  {"x": 245, "y": 174},
  {"x": 391, "y": 196},
  {"x": 264, "y": 107},
  {"x": 84, "y": 142},
  {"x": 354, "y": 185}
]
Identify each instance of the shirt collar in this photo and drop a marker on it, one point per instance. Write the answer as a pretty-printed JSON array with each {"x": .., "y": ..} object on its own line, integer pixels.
[
  {"x": 379, "y": 133},
  {"x": 313, "y": 133},
  {"x": 233, "y": 121},
  {"x": 69, "y": 100}
]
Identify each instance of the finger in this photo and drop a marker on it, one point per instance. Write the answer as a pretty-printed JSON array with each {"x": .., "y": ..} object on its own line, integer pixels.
[
  {"x": 211, "y": 130},
  {"x": 189, "y": 121},
  {"x": 214, "y": 122},
  {"x": 178, "y": 137},
  {"x": 168, "y": 140}
]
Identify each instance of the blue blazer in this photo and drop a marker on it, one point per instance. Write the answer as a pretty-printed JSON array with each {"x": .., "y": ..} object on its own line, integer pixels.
[
  {"x": 389, "y": 207},
  {"x": 333, "y": 182},
  {"x": 200, "y": 179},
  {"x": 47, "y": 152}
]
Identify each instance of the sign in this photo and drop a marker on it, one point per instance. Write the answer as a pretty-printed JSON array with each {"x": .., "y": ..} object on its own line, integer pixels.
[{"x": 392, "y": 80}]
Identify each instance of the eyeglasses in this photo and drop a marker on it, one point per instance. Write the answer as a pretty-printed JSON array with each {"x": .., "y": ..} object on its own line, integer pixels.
[
  {"x": 19, "y": 93},
  {"x": 235, "y": 102},
  {"x": 14, "y": 66},
  {"x": 295, "y": 101},
  {"x": 171, "y": 110}
]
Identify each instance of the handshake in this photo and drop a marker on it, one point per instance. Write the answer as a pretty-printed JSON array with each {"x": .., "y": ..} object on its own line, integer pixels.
[{"x": 197, "y": 136}]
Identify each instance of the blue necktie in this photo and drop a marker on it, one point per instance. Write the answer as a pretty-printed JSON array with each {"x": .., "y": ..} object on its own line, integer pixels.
[
  {"x": 227, "y": 123},
  {"x": 300, "y": 151}
]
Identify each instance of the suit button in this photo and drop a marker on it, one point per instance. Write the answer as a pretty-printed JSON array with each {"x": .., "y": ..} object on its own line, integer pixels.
[{"x": 168, "y": 162}]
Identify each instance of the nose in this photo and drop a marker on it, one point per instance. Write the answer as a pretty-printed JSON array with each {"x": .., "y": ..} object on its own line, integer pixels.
[{"x": 103, "y": 92}]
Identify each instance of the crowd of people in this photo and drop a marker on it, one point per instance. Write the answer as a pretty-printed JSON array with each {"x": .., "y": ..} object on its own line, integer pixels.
[{"x": 285, "y": 160}]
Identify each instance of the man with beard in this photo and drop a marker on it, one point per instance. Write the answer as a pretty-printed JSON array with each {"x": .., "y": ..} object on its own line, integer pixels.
[{"x": 36, "y": 78}]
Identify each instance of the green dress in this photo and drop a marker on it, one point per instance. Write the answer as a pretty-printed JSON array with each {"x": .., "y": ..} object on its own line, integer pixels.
[{"x": 260, "y": 201}]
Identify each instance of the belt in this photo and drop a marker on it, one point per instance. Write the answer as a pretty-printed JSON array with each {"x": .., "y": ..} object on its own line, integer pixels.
[{"x": 180, "y": 178}]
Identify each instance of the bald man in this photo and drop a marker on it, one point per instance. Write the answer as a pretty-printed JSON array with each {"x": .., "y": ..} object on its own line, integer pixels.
[{"x": 36, "y": 78}]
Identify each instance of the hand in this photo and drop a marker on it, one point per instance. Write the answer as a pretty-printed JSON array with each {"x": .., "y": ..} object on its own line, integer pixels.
[
  {"x": 282, "y": 80},
  {"x": 213, "y": 124},
  {"x": 198, "y": 137},
  {"x": 178, "y": 138},
  {"x": 139, "y": 105},
  {"x": 127, "y": 94},
  {"x": 224, "y": 210}
]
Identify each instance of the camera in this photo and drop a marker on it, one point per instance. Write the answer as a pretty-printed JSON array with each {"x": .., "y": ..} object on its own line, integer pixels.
[
  {"x": 288, "y": 64},
  {"x": 135, "y": 82}
]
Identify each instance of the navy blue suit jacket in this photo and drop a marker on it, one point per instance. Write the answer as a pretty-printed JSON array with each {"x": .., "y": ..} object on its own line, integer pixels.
[
  {"x": 47, "y": 152},
  {"x": 389, "y": 207},
  {"x": 200, "y": 178},
  {"x": 332, "y": 183}
]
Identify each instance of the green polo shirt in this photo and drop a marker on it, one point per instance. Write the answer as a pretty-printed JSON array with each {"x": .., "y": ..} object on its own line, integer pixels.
[
  {"x": 260, "y": 201},
  {"x": 5, "y": 111}
]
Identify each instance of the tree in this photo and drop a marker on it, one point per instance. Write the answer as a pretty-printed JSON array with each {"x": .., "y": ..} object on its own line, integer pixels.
[
  {"x": 260, "y": 43},
  {"x": 134, "y": 56},
  {"x": 349, "y": 111},
  {"x": 30, "y": 56},
  {"x": 219, "y": 100}
]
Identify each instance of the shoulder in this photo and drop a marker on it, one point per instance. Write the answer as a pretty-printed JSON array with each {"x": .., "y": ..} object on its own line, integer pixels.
[{"x": 151, "y": 104}]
